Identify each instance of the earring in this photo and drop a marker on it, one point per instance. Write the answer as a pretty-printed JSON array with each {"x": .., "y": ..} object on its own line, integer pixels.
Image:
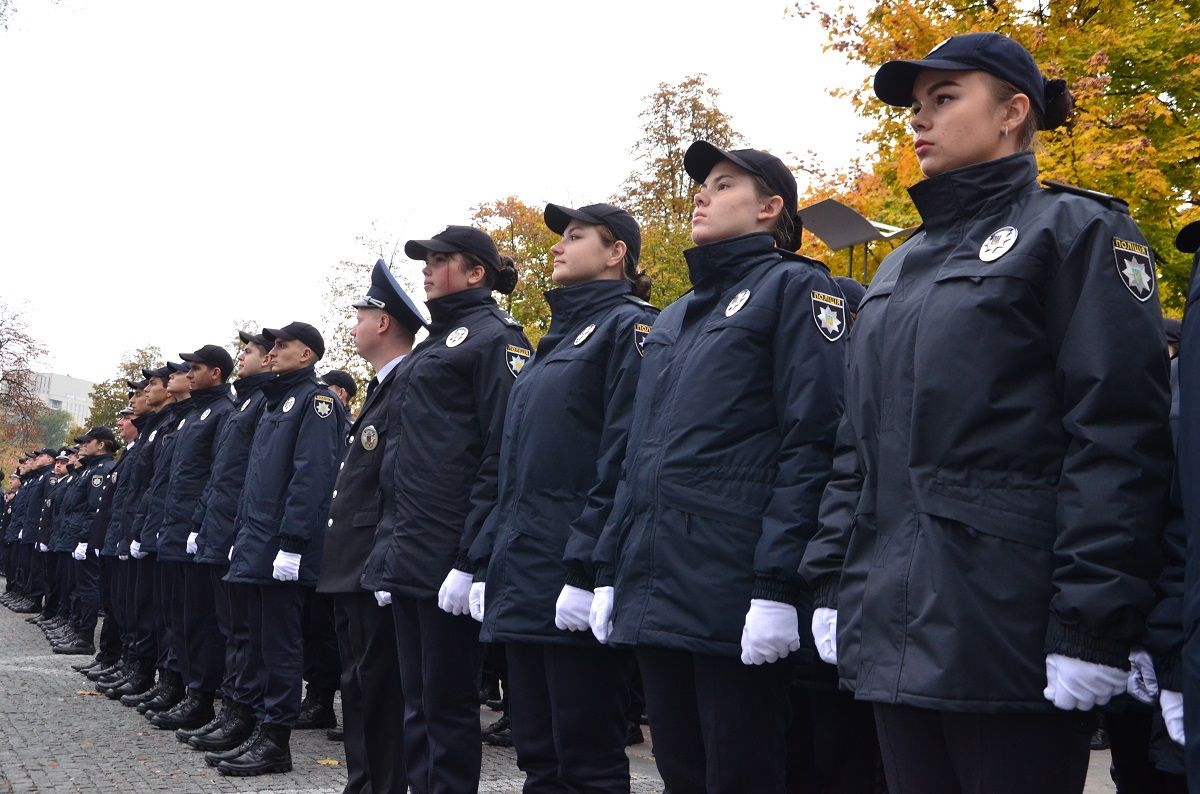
[{"x": 1005, "y": 131}]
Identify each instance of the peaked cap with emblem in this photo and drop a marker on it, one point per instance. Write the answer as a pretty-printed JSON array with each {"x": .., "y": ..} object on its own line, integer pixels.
[{"x": 387, "y": 294}]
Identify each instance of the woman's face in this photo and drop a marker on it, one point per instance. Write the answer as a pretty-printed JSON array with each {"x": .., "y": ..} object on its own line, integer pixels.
[
  {"x": 956, "y": 121},
  {"x": 446, "y": 274},
  {"x": 581, "y": 256},
  {"x": 728, "y": 206}
]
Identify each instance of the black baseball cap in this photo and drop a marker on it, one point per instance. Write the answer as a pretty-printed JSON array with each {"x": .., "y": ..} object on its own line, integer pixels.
[
  {"x": 467, "y": 239},
  {"x": 255, "y": 339},
  {"x": 615, "y": 219},
  {"x": 301, "y": 332},
  {"x": 176, "y": 366},
  {"x": 993, "y": 53},
  {"x": 136, "y": 384},
  {"x": 213, "y": 356},
  {"x": 386, "y": 293},
  {"x": 47, "y": 451},
  {"x": 160, "y": 372},
  {"x": 701, "y": 156},
  {"x": 1188, "y": 239},
  {"x": 338, "y": 377},
  {"x": 97, "y": 434}
]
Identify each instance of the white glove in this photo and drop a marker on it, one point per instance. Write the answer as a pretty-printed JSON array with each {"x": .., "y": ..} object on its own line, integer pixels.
[
  {"x": 123, "y": 557},
  {"x": 1172, "y": 711},
  {"x": 573, "y": 609},
  {"x": 455, "y": 593},
  {"x": 286, "y": 567},
  {"x": 1075, "y": 684},
  {"x": 600, "y": 617},
  {"x": 1142, "y": 682},
  {"x": 135, "y": 548},
  {"x": 383, "y": 597},
  {"x": 43, "y": 547},
  {"x": 191, "y": 542},
  {"x": 824, "y": 631},
  {"x": 771, "y": 631},
  {"x": 478, "y": 591}
]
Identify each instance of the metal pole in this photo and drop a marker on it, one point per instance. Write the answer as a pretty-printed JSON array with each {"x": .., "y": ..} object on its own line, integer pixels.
[{"x": 851, "y": 261}]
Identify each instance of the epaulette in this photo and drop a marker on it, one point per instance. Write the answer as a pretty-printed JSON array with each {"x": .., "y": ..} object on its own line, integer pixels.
[
  {"x": 505, "y": 317},
  {"x": 1109, "y": 201},
  {"x": 634, "y": 299},
  {"x": 796, "y": 256}
]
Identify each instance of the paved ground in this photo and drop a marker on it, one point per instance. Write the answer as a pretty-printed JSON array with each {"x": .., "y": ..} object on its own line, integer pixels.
[{"x": 55, "y": 737}]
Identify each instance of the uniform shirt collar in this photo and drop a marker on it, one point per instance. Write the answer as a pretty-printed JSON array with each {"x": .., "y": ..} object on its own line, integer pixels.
[{"x": 386, "y": 369}]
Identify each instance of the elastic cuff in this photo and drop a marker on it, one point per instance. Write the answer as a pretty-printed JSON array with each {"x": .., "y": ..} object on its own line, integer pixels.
[
  {"x": 783, "y": 590},
  {"x": 463, "y": 561},
  {"x": 604, "y": 576},
  {"x": 480, "y": 573},
  {"x": 292, "y": 545},
  {"x": 577, "y": 578},
  {"x": 1071, "y": 641},
  {"x": 825, "y": 592},
  {"x": 1169, "y": 671}
]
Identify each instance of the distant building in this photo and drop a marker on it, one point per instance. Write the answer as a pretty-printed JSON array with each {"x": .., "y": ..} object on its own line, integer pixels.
[{"x": 65, "y": 393}]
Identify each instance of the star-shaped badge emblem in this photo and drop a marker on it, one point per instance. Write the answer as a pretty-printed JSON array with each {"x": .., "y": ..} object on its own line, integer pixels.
[
  {"x": 1136, "y": 275},
  {"x": 829, "y": 320},
  {"x": 516, "y": 363}
]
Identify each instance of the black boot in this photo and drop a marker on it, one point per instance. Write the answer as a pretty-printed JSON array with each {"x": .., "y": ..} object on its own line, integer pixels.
[
  {"x": 271, "y": 753},
  {"x": 216, "y": 757},
  {"x": 77, "y": 647},
  {"x": 237, "y": 725},
  {"x": 316, "y": 711},
  {"x": 193, "y": 711},
  {"x": 120, "y": 669},
  {"x": 172, "y": 693},
  {"x": 135, "y": 686},
  {"x": 183, "y": 734},
  {"x": 335, "y": 735},
  {"x": 152, "y": 688}
]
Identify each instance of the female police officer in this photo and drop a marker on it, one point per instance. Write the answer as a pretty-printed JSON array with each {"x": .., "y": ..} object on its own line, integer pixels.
[
  {"x": 1006, "y": 419},
  {"x": 564, "y": 445},
  {"x": 449, "y": 399},
  {"x": 729, "y": 450}
]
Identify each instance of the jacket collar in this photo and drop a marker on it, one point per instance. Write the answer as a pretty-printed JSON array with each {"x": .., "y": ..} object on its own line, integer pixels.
[
  {"x": 568, "y": 304},
  {"x": 210, "y": 395},
  {"x": 247, "y": 386},
  {"x": 963, "y": 192},
  {"x": 282, "y": 383},
  {"x": 444, "y": 310},
  {"x": 727, "y": 259}
]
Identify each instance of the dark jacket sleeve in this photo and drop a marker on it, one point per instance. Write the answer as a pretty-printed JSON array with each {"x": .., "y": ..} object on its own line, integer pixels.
[
  {"x": 1111, "y": 367},
  {"x": 624, "y": 366},
  {"x": 493, "y": 383},
  {"x": 826, "y": 552},
  {"x": 809, "y": 377},
  {"x": 314, "y": 471},
  {"x": 1164, "y": 624}
]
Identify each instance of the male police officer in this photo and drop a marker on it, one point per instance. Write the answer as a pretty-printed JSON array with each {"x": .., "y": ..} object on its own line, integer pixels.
[
  {"x": 372, "y": 703},
  {"x": 342, "y": 384},
  {"x": 281, "y": 533}
]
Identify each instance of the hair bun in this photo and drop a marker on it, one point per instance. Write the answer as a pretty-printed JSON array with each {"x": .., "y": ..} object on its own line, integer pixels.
[
  {"x": 796, "y": 238},
  {"x": 506, "y": 279},
  {"x": 641, "y": 285},
  {"x": 1058, "y": 102}
]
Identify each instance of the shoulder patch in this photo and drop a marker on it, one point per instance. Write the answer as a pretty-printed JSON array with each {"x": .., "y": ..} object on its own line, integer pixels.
[
  {"x": 323, "y": 405},
  {"x": 1104, "y": 198},
  {"x": 515, "y": 358},
  {"x": 829, "y": 313},
  {"x": 1135, "y": 266},
  {"x": 505, "y": 317},
  {"x": 640, "y": 332},
  {"x": 97, "y": 480}
]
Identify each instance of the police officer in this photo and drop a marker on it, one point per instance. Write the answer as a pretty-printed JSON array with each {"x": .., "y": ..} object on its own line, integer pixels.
[
  {"x": 59, "y": 547},
  {"x": 30, "y": 568},
  {"x": 342, "y": 384},
  {"x": 197, "y": 642},
  {"x": 450, "y": 396},
  {"x": 564, "y": 446},
  {"x": 280, "y": 534},
  {"x": 373, "y": 705},
  {"x": 730, "y": 446},
  {"x": 53, "y": 501},
  {"x": 1007, "y": 400},
  {"x": 214, "y": 538}
]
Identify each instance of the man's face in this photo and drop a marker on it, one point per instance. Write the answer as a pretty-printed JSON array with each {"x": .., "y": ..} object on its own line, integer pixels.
[
  {"x": 202, "y": 376},
  {"x": 60, "y": 468},
  {"x": 289, "y": 355},
  {"x": 155, "y": 393},
  {"x": 178, "y": 385},
  {"x": 251, "y": 361}
]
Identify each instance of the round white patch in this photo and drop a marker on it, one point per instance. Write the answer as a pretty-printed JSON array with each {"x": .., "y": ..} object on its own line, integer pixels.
[
  {"x": 584, "y": 334},
  {"x": 288, "y": 403},
  {"x": 737, "y": 303},
  {"x": 456, "y": 336},
  {"x": 997, "y": 244}
]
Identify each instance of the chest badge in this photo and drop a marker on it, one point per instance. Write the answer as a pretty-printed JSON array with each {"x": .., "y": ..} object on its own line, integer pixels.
[
  {"x": 323, "y": 405},
  {"x": 288, "y": 403},
  {"x": 97, "y": 480},
  {"x": 245, "y": 405},
  {"x": 112, "y": 477},
  {"x": 640, "y": 332},
  {"x": 737, "y": 303},
  {"x": 584, "y": 334},
  {"x": 182, "y": 422},
  {"x": 997, "y": 244},
  {"x": 829, "y": 313},
  {"x": 516, "y": 358},
  {"x": 456, "y": 336},
  {"x": 205, "y": 415},
  {"x": 153, "y": 433},
  {"x": 369, "y": 438},
  {"x": 1135, "y": 266}
]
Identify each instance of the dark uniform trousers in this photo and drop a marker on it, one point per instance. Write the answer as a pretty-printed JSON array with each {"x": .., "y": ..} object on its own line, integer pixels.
[
  {"x": 567, "y": 708},
  {"x": 322, "y": 666},
  {"x": 440, "y": 656},
  {"x": 941, "y": 752},
  {"x": 719, "y": 726},
  {"x": 109, "y": 646},
  {"x": 276, "y": 618},
  {"x": 202, "y": 645},
  {"x": 144, "y": 645},
  {"x": 53, "y": 584},
  {"x": 64, "y": 571},
  {"x": 87, "y": 594},
  {"x": 1191, "y": 708},
  {"x": 10, "y": 566},
  {"x": 233, "y": 615},
  {"x": 168, "y": 612},
  {"x": 35, "y": 580},
  {"x": 376, "y": 743}
]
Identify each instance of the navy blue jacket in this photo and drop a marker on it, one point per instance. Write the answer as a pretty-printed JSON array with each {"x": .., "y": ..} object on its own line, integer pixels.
[
  {"x": 449, "y": 396},
  {"x": 153, "y": 509},
  {"x": 217, "y": 509},
  {"x": 1006, "y": 414},
  {"x": 27, "y": 508},
  {"x": 157, "y": 427},
  {"x": 191, "y": 465},
  {"x": 289, "y": 479},
  {"x": 91, "y": 528},
  {"x": 74, "y": 509},
  {"x": 730, "y": 448},
  {"x": 1189, "y": 454},
  {"x": 117, "y": 501},
  {"x": 51, "y": 501},
  {"x": 564, "y": 446}
]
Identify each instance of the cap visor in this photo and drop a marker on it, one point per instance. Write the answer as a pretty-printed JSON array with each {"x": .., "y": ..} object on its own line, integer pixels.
[
  {"x": 191, "y": 357},
  {"x": 419, "y": 249},
  {"x": 894, "y": 80},
  {"x": 1188, "y": 239},
  {"x": 558, "y": 218},
  {"x": 702, "y": 156},
  {"x": 271, "y": 334}
]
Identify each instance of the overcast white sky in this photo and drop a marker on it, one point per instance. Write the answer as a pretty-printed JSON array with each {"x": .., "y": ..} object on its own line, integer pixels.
[{"x": 169, "y": 167}]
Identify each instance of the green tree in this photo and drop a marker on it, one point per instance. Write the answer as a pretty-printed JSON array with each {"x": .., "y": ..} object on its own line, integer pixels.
[
  {"x": 520, "y": 231},
  {"x": 54, "y": 426},
  {"x": 110, "y": 396}
]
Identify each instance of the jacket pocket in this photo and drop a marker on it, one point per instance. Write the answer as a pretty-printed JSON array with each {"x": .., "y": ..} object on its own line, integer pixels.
[{"x": 1014, "y": 506}]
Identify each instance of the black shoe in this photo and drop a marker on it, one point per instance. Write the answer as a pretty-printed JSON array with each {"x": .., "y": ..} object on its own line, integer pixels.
[
  {"x": 33, "y": 618},
  {"x": 237, "y": 726},
  {"x": 171, "y": 693},
  {"x": 216, "y": 757},
  {"x": 634, "y": 735},
  {"x": 96, "y": 664},
  {"x": 28, "y": 608},
  {"x": 271, "y": 753},
  {"x": 500, "y": 735},
  {"x": 1100, "y": 738},
  {"x": 130, "y": 698},
  {"x": 335, "y": 735},
  {"x": 193, "y": 711},
  {"x": 108, "y": 672},
  {"x": 183, "y": 734},
  {"x": 77, "y": 648},
  {"x": 316, "y": 711}
]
